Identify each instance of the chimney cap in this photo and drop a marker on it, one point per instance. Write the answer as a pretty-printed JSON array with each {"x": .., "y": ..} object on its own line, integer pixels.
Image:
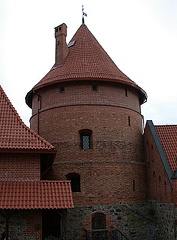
[{"x": 61, "y": 29}]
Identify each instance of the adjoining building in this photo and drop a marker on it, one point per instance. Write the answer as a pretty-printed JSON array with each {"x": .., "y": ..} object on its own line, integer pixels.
[
  {"x": 122, "y": 176},
  {"x": 31, "y": 207}
]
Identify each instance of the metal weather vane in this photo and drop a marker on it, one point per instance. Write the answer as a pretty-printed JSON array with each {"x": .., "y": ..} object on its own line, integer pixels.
[{"x": 83, "y": 15}]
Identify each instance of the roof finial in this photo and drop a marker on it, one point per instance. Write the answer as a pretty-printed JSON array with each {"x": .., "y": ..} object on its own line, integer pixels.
[{"x": 83, "y": 14}]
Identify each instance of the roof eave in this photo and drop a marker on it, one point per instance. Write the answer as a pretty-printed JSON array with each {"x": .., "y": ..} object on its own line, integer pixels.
[
  {"x": 37, "y": 151},
  {"x": 160, "y": 150},
  {"x": 29, "y": 96}
]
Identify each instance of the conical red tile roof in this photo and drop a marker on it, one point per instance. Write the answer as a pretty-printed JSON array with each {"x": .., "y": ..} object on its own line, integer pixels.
[
  {"x": 86, "y": 60},
  {"x": 14, "y": 134}
]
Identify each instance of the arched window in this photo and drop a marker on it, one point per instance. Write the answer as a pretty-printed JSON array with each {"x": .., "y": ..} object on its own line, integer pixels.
[
  {"x": 99, "y": 221},
  {"x": 85, "y": 138},
  {"x": 75, "y": 181}
]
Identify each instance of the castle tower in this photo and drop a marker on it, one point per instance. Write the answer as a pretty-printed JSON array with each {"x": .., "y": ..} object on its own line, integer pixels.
[{"x": 91, "y": 112}]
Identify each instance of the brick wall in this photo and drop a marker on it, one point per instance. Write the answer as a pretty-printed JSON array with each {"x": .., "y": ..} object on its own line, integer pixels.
[
  {"x": 159, "y": 188},
  {"x": 19, "y": 167},
  {"x": 75, "y": 94},
  {"x": 24, "y": 225},
  {"x": 106, "y": 182},
  {"x": 113, "y": 170}
]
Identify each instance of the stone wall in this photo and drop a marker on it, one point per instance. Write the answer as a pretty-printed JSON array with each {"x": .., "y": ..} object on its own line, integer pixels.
[
  {"x": 136, "y": 222},
  {"x": 166, "y": 218}
]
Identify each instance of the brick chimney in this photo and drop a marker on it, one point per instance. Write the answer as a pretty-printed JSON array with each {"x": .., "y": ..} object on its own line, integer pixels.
[{"x": 61, "y": 51}]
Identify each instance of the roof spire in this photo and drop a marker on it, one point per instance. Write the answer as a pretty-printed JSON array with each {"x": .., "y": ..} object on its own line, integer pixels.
[{"x": 83, "y": 14}]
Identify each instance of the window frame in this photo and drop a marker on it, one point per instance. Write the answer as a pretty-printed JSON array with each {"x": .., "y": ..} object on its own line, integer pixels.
[{"x": 83, "y": 133}]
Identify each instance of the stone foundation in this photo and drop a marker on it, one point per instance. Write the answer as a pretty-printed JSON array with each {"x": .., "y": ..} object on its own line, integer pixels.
[
  {"x": 166, "y": 218},
  {"x": 147, "y": 221}
]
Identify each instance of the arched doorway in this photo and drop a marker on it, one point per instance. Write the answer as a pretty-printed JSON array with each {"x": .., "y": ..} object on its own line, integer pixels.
[{"x": 98, "y": 225}]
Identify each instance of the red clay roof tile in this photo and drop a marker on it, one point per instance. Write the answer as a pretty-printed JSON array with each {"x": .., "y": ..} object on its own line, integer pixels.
[
  {"x": 35, "y": 195},
  {"x": 86, "y": 60},
  {"x": 14, "y": 134},
  {"x": 168, "y": 137}
]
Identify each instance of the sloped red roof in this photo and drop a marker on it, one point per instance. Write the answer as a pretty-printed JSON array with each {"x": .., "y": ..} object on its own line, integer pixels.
[
  {"x": 35, "y": 195},
  {"x": 14, "y": 134},
  {"x": 86, "y": 60},
  {"x": 168, "y": 138}
]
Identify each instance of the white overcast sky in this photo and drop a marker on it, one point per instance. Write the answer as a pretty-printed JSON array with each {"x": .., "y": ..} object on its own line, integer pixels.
[{"x": 139, "y": 35}]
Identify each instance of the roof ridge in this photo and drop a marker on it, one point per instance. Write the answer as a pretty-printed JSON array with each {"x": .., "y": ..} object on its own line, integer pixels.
[
  {"x": 10, "y": 104},
  {"x": 165, "y": 125},
  {"x": 160, "y": 149}
]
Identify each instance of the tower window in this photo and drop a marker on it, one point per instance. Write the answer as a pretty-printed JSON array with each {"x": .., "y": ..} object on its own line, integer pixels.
[
  {"x": 39, "y": 101},
  {"x": 75, "y": 181},
  {"x": 94, "y": 87},
  {"x": 126, "y": 93},
  {"x": 62, "y": 90},
  {"x": 134, "y": 185},
  {"x": 85, "y": 142},
  {"x": 85, "y": 138},
  {"x": 129, "y": 122}
]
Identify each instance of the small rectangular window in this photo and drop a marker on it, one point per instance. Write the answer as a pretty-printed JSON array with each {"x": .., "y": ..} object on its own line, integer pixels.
[
  {"x": 94, "y": 87},
  {"x": 134, "y": 185},
  {"x": 126, "y": 93},
  {"x": 62, "y": 90},
  {"x": 85, "y": 138},
  {"x": 129, "y": 122},
  {"x": 39, "y": 101},
  {"x": 85, "y": 142}
]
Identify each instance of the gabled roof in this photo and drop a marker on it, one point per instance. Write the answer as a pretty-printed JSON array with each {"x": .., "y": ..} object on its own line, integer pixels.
[
  {"x": 35, "y": 195},
  {"x": 168, "y": 138},
  {"x": 86, "y": 60},
  {"x": 165, "y": 137},
  {"x": 161, "y": 150},
  {"x": 14, "y": 134}
]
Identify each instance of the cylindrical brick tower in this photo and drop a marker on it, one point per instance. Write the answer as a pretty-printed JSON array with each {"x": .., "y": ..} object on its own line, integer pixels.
[{"x": 90, "y": 111}]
